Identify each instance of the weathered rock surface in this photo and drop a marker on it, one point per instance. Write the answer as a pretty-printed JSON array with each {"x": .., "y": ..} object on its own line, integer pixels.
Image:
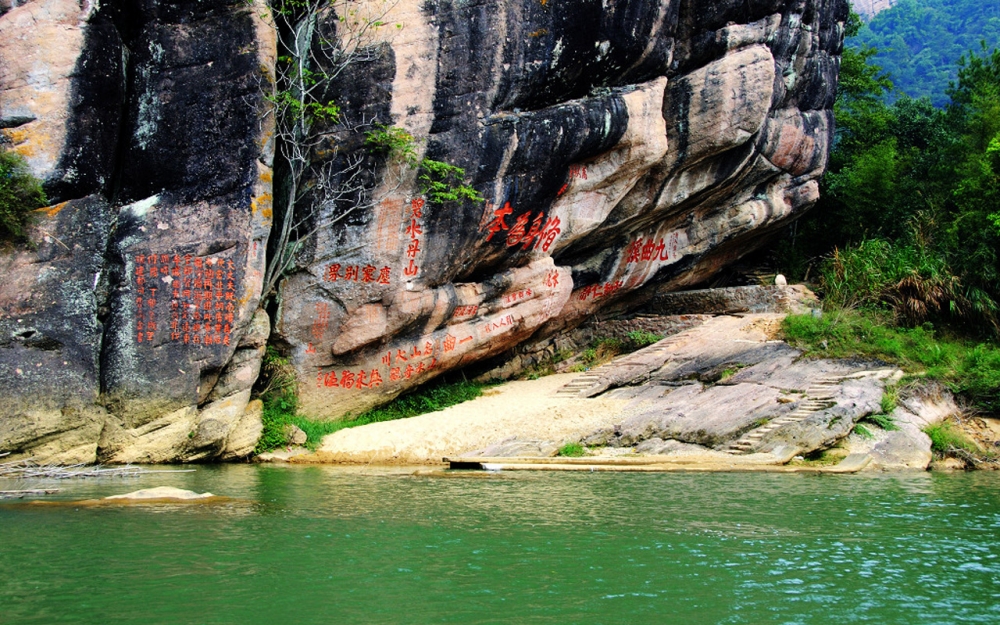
[
  {"x": 622, "y": 148},
  {"x": 161, "y": 493},
  {"x": 727, "y": 385},
  {"x": 122, "y": 329},
  {"x": 780, "y": 407},
  {"x": 907, "y": 447}
]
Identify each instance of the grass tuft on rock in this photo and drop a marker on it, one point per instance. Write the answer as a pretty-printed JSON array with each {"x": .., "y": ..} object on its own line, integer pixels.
[{"x": 572, "y": 450}]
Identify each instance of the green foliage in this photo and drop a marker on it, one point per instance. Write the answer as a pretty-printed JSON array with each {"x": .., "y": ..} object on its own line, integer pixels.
[
  {"x": 919, "y": 40},
  {"x": 394, "y": 142},
  {"x": 640, "y": 339},
  {"x": 946, "y": 439},
  {"x": 883, "y": 420},
  {"x": 442, "y": 182},
  {"x": 430, "y": 398},
  {"x": 863, "y": 432},
  {"x": 281, "y": 405},
  {"x": 20, "y": 194},
  {"x": 572, "y": 450},
  {"x": 907, "y": 278},
  {"x": 968, "y": 368},
  {"x": 908, "y": 218}
]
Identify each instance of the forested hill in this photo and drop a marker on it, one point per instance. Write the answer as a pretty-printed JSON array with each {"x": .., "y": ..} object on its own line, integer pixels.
[{"x": 919, "y": 41}]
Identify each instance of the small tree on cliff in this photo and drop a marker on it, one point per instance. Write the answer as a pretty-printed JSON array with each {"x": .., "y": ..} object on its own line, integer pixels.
[{"x": 318, "y": 40}]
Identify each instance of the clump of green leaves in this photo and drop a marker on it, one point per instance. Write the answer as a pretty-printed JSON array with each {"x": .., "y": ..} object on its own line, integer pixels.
[
  {"x": 947, "y": 439},
  {"x": 572, "y": 450},
  {"x": 863, "y": 432},
  {"x": 441, "y": 182},
  {"x": 20, "y": 194},
  {"x": 431, "y": 398},
  {"x": 640, "y": 339},
  {"x": 394, "y": 142}
]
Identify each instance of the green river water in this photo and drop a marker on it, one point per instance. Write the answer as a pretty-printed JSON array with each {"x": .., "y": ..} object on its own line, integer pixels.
[{"x": 337, "y": 546}]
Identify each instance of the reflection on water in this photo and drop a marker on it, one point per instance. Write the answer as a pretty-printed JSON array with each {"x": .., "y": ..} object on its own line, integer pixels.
[{"x": 334, "y": 545}]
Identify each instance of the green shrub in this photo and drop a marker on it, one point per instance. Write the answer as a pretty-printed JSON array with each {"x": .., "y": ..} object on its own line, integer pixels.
[
  {"x": 946, "y": 439},
  {"x": 572, "y": 450},
  {"x": 281, "y": 405},
  {"x": 20, "y": 194},
  {"x": 908, "y": 279},
  {"x": 442, "y": 182},
  {"x": 640, "y": 339}
]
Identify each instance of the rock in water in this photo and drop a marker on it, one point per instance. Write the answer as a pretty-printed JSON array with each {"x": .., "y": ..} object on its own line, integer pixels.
[
  {"x": 161, "y": 493},
  {"x": 618, "y": 146}
]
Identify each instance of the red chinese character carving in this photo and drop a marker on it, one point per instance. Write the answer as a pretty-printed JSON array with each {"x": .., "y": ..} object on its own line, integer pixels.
[
  {"x": 351, "y": 273},
  {"x": 534, "y": 232},
  {"x": 428, "y": 348},
  {"x": 413, "y": 248},
  {"x": 401, "y": 355},
  {"x": 360, "y": 381},
  {"x": 383, "y": 275},
  {"x": 449, "y": 343},
  {"x": 394, "y": 374},
  {"x": 562, "y": 189},
  {"x": 411, "y": 269},
  {"x": 330, "y": 379},
  {"x": 634, "y": 251},
  {"x": 421, "y": 367},
  {"x": 416, "y": 207},
  {"x": 409, "y": 372},
  {"x": 346, "y": 379},
  {"x": 658, "y": 250},
  {"x": 415, "y": 352},
  {"x": 516, "y": 234},
  {"x": 387, "y": 359},
  {"x": 375, "y": 379},
  {"x": 552, "y": 279},
  {"x": 498, "y": 223},
  {"x": 414, "y": 229},
  {"x": 647, "y": 250},
  {"x": 549, "y": 233},
  {"x": 368, "y": 273}
]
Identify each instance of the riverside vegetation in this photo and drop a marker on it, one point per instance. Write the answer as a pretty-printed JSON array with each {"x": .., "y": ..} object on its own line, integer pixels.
[
  {"x": 904, "y": 246},
  {"x": 277, "y": 391}
]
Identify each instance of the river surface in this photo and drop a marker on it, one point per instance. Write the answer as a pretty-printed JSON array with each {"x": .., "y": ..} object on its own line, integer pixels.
[{"x": 339, "y": 546}]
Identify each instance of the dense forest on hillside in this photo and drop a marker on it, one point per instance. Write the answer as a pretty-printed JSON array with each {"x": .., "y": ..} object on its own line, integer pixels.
[
  {"x": 918, "y": 41},
  {"x": 910, "y": 212},
  {"x": 904, "y": 245}
]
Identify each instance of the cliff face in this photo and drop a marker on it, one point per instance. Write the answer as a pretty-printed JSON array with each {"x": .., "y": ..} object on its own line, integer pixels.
[{"x": 618, "y": 145}]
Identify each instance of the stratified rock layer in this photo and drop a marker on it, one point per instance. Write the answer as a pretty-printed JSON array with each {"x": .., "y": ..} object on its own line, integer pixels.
[{"x": 618, "y": 146}]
